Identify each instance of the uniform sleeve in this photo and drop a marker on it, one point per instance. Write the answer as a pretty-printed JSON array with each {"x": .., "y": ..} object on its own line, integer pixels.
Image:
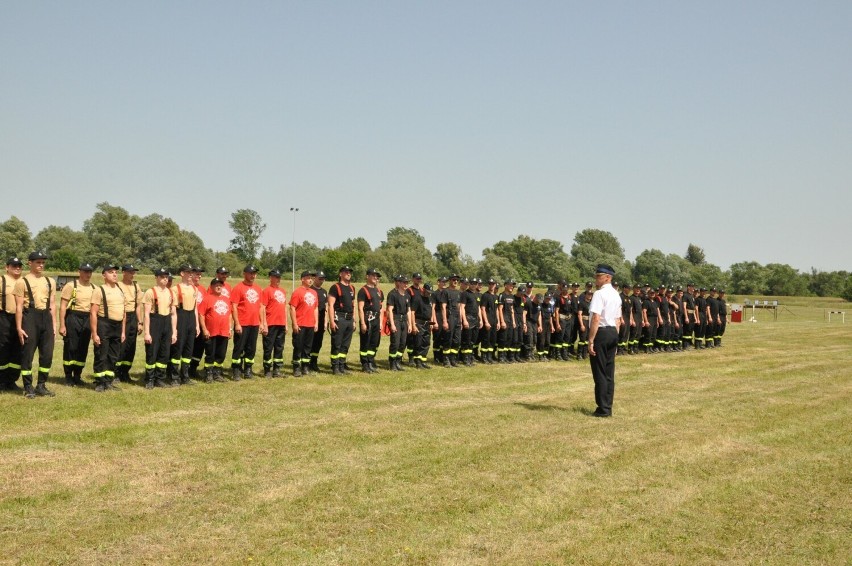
[
  {"x": 97, "y": 296},
  {"x": 67, "y": 291}
]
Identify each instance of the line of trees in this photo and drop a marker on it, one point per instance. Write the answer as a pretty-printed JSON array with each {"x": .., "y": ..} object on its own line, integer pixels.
[{"x": 113, "y": 234}]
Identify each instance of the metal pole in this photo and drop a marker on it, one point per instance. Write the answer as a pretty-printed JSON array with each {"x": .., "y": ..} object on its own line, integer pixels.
[{"x": 294, "y": 211}]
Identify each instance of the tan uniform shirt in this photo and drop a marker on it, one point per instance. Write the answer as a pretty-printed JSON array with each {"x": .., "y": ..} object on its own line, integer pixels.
[
  {"x": 42, "y": 288},
  {"x": 164, "y": 300},
  {"x": 81, "y": 295},
  {"x": 7, "y": 288},
  {"x": 114, "y": 302},
  {"x": 132, "y": 296},
  {"x": 184, "y": 294}
]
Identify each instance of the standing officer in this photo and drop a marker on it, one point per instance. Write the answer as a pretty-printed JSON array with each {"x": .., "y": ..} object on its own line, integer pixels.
[
  {"x": 448, "y": 302},
  {"x": 400, "y": 319},
  {"x": 133, "y": 321},
  {"x": 304, "y": 321},
  {"x": 664, "y": 330},
  {"x": 723, "y": 317},
  {"x": 676, "y": 304},
  {"x": 199, "y": 342},
  {"x": 703, "y": 316},
  {"x": 690, "y": 316},
  {"x": 506, "y": 322},
  {"x": 214, "y": 315},
  {"x": 713, "y": 323},
  {"x": 34, "y": 321},
  {"x": 188, "y": 328},
  {"x": 322, "y": 295},
  {"x": 424, "y": 319},
  {"x": 159, "y": 325},
  {"x": 604, "y": 325},
  {"x": 534, "y": 326},
  {"x": 107, "y": 323},
  {"x": 488, "y": 314},
  {"x": 627, "y": 320},
  {"x": 545, "y": 333},
  {"x": 520, "y": 312},
  {"x": 75, "y": 304},
  {"x": 582, "y": 322},
  {"x": 564, "y": 318},
  {"x": 469, "y": 316},
  {"x": 636, "y": 331},
  {"x": 370, "y": 299},
  {"x": 248, "y": 322},
  {"x": 341, "y": 309},
  {"x": 273, "y": 303},
  {"x": 651, "y": 320},
  {"x": 10, "y": 345},
  {"x": 438, "y": 329}
]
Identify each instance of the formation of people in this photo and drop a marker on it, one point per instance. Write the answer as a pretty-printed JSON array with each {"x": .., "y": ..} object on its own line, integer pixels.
[{"x": 187, "y": 326}]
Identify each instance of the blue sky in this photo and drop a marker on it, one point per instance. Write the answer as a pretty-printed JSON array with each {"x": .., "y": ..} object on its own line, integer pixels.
[{"x": 724, "y": 124}]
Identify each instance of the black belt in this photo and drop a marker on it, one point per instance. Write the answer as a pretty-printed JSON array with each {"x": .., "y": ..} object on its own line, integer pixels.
[
  {"x": 400, "y": 316},
  {"x": 345, "y": 315},
  {"x": 79, "y": 313}
]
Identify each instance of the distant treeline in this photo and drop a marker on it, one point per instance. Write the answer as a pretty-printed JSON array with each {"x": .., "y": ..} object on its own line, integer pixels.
[{"x": 112, "y": 234}]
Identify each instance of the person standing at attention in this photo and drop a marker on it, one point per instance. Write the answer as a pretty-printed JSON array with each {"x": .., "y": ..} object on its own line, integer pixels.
[{"x": 604, "y": 324}]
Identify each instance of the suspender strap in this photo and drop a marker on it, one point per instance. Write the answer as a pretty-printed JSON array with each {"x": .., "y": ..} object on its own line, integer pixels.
[
  {"x": 4, "y": 294},
  {"x": 135, "y": 296},
  {"x": 30, "y": 292},
  {"x": 106, "y": 308}
]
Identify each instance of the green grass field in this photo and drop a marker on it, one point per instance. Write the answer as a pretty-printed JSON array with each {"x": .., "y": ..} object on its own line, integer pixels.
[{"x": 736, "y": 455}]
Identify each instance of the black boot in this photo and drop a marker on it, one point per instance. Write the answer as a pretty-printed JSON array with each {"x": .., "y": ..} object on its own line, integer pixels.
[
  {"x": 297, "y": 369},
  {"x": 42, "y": 391},
  {"x": 373, "y": 366},
  {"x": 365, "y": 367},
  {"x": 236, "y": 373}
]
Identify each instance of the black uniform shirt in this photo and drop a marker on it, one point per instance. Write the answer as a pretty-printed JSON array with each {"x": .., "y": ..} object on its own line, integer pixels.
[
  {"x": 344, "y": 297},
  {"x": 489, "y": 303},
  {"x": 583, "y": 306},
  {"x": 636, "y": 301},
  {"x": 507, "y": 302},
  {"x": 714, "y": 307},
  {"x": 420, "y": 304},
  {"x": 664, "y": 307},
  {"x": 689, "y": 305},
  {"x": 400, "y": 302},
  {"x": 372, "y": 297},
  {"x": 651, "y": 306},
  {"x": 701, "y": 303},
  {"x": 471, "y": 305},
  {"x": 322, "y": 295}
]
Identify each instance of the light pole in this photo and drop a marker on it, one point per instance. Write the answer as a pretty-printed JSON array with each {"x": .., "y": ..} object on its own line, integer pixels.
[{"x": 294, "y": 211}]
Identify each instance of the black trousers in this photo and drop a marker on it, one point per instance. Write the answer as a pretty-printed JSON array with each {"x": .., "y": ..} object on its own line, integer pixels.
[
  {"x": 488, "y": 337},
  {"x": 273, "y": 346},
  {"x": 245, "y": 347},
  {"x": 399, "y": 338},
  {"x": 370, "y": 340},
  {"x": 10, "y": 350},
  {"x": 75, "y": 347},
  {"x": 651, "y": 332},
  {"x": 182, "y": 350},
  {"x": 38, "y": 324},
  {"x": 688, "y": 329},
  {"x": 215, "y": 350},
  {"x": 468, "y": 335},
  {"x": 635, "y": 334},
  {"x": 128, "y": 347},
  {"x": 603, "y": 368},
  {"x": 341, "y": 339},
  {"x": 505, "y": 337},
  {"x": 302, "y": 342},
  {"x": 701, "y": 329},
  {"x": 418, "y": 343},
  {"x": 157, "y": 352},
  {"x": 319, "y": 335},
  {"x": 451, "y": 337},
  {"x": 624, "y": 335},
  {"x": 543, "y": 338},
  {"x": 106, "y": 354}
]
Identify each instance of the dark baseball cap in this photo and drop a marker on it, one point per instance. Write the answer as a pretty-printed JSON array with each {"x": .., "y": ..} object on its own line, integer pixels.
[
  {"x": 37, "y": 255},
  {"x": 509, "y": 282},
  {"x": 442, "y": 279},
  {"x": 455, "y": 276},
  {"x": 416, "y": 276},
  {"x": 185, "y": 267},
  {"x": 109, "y": 267},
  {"x": 86, "y": 267},
  {"x": 427, "y": 286},
  {"x": 197, "y": 269},
  {"x": 14, "y": 261},
  {"x": 275, "y": 273},
  {"x": 308, "y": 273},
  {"x": 320, "y": 274},
  {"x": 374, "y": 271},
  {"x": 128, "y": 267},
  {"x": 345, "y": 268},
  {"x": 522, "y": 289},
  {"x": 222, "y": 269},
  {"x": 401, "y": 278},
  {"x": 250, "y": 269},
  {"x": 162, "y": 272},
  {"x": 215, "y": 282}
]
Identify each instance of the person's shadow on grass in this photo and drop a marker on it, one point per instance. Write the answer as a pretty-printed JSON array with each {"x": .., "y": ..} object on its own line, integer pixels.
[{"x": 546, "y": 407}]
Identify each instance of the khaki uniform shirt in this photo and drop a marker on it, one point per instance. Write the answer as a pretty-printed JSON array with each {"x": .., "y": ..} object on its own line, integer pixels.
[
  {"x": 81, "y": 295},
  {"x": 132, "y": 296},
  {"x": 164, "y": 300},
  {"x": 184, "y": 294},
  {"x": 114, "y": 302},
  {"x": 42, "y": 288},
  {"x": 8, "y": 299}
]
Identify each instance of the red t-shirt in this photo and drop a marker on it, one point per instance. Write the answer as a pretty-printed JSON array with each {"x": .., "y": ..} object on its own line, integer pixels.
[
  {"x": 216, "y": 311},
  {"x": 275, "y": 301},
  {"x": 202, "y": 292},
  {"x": 305, "y": 302},
  {"x": 247, "y": 299}
]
